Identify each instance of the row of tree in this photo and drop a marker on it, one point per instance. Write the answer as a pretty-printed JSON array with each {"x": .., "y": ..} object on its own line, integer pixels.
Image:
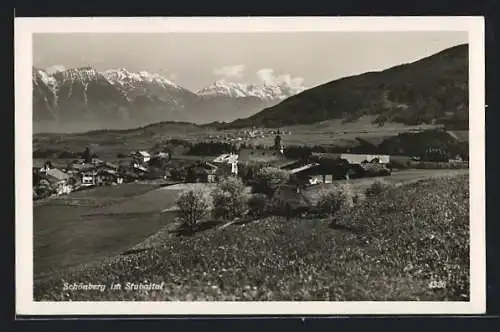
[{"x": 230, "y": 200}]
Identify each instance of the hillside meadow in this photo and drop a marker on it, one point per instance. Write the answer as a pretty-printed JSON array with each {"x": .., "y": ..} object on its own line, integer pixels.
[{"x": 394, "y": 246}]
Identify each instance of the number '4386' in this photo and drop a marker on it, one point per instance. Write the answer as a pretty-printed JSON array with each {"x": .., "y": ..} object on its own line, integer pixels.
[{"x": 435, "y": 284}]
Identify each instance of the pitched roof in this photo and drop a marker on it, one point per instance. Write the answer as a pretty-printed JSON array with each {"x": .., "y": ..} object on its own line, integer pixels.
[
  {"x": 110, "y": 165},
  {"x": 144, "y": 153},
  {"x": 359, "y": 158},
  {"x": 226, "y": 158},
  {"x": 57, "y": 174},
  {"x": 83, "y": 167},
  {"x": 162, "y": 154},
  {"x": 321, "y": 155},
  {"x": 303, "y": 168},
  {"x": 212, "y": 166},
  {"x": 141, "y": 168}
]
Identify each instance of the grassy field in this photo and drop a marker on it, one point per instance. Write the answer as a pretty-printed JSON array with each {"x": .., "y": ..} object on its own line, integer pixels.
[
  {"x": 340, "y": 133},
  {"x": 80, "y": 228},
  {"x": 388, "y": 248},
  {"x": 397, "y": 178}
]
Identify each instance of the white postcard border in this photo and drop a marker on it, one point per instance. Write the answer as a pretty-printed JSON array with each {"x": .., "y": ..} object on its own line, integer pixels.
[{"x": 25, "y": 27}]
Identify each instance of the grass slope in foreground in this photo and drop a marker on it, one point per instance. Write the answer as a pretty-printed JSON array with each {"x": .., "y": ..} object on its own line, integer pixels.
[{"x": 391, "y": 247}]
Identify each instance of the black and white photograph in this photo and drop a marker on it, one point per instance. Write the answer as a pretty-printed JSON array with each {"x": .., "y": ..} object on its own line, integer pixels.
[{"x": 250, "y": 165}]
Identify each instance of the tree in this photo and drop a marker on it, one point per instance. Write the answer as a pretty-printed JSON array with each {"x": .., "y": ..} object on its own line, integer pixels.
[
  {"x": 340, "y": 198},
  {"x": 229, "y": 198},
  {"x": 269, "y": 179},
  {"x": 257, "y": 205},
  {"x": 376, "y": 188},
  {"x": 193, "y": 206}
]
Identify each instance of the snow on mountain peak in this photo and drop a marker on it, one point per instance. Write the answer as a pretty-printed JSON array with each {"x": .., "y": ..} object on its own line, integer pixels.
[
  {"x": 46, "y": 78},
  {"x": 55, "y": 69},
  {"x": 124, "y": 77},
  {"x": 221, "y": 87},
  {"x": 266, "y": 91}
]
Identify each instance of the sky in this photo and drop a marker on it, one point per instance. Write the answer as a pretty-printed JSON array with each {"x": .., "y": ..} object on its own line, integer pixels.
[{"x": 195, "y": 60}]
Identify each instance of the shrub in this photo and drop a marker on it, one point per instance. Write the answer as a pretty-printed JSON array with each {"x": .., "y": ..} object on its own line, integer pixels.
[
  {"x": 269, "y": 179},
  {"x": 257, "y": 205},
  {"x": 376, "y": 188},
  {"x": 229, "y": 198},
  {"x": 340, "y": 198},
  {"x": 193, "y": 206}
]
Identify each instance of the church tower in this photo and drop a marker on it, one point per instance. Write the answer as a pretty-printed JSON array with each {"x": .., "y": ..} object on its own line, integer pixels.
[{"x": 278, "y": 145}]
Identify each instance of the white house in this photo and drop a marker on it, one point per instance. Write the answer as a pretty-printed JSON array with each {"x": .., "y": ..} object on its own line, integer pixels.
[
  {"x": 88, "y": 179},
  {"x": 141, "y": 156},
  {"x": 229, "y": 158}
]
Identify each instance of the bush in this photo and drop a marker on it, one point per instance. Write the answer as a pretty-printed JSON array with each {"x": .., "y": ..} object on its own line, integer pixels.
[
  {"x": 340, "y": 198},
  {"x": 229, "y": 198},
  {"x": 279, "y": 207},
  {"x": 257, "y": 205},
  {"x": 193, "y": 207},
  {"x": 376, "y": 188},
  {"x": 269, "y": 179}
]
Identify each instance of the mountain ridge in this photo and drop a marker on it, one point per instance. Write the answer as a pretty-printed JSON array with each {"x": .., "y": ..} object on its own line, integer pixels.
[
  {"x": 118, "y": 98},
  {"x": 432, "y": 89}
]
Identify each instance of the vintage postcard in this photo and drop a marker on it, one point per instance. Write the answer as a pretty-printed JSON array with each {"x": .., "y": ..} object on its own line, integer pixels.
[{"x": 264, "y": 166}]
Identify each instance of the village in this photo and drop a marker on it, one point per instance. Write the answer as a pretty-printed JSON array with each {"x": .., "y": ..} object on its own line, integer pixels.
[{"x": 89, "y": 171}]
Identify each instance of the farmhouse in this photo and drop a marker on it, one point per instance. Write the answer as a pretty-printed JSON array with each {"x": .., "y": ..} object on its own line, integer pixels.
[
  {"x": 229, "y": 159},
  {"x": 314, "y": 173},
  {"x": 161, "y": 155},
  {"x": 361, "y": 158},
  {"x": 88, "y": 178},
  {"x": 140, "y": 157},
  {"x": 59, "y": 181},
  {"x": 203, "y": 172},
  {"x": 108, "y": 177}
]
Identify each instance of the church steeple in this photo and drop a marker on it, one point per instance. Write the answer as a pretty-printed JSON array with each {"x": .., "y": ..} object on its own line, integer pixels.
[{"x": 278, "y": 146}]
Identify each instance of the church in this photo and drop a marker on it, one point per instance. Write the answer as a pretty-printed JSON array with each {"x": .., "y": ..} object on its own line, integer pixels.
[{"x": 273, "y": 155}]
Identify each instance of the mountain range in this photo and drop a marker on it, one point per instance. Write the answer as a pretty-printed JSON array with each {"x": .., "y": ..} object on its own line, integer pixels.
[
  {"x": 431, "y": 90},
  {"x": 79, "y": 99}
]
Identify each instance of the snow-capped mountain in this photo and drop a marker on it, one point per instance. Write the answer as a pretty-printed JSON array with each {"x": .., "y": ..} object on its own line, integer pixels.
[
  {"x": 54, "y": 69},
  {"x": 267, "y": 91},
  {"x": 129, "y": 80},
  {"x": 86, "y": 99}
]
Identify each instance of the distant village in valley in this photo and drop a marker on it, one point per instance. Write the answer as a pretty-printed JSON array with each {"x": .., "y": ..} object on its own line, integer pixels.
[{"x": 219, "y": 156}]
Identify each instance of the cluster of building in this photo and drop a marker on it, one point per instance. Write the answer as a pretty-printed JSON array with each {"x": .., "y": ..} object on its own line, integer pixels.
[
  {"x": 318, "y": 168},
  {"x": 245, "y": 135},
  {"x": 80, "y": 174}
]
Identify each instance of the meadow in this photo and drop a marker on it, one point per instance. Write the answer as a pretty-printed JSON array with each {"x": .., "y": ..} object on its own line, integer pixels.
[
  {"x": 107, "y": 144},
  {"x": 82, "y": 227},
  {"x": 341, "y": 133},
  {"x": 379, "y": 251}
]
